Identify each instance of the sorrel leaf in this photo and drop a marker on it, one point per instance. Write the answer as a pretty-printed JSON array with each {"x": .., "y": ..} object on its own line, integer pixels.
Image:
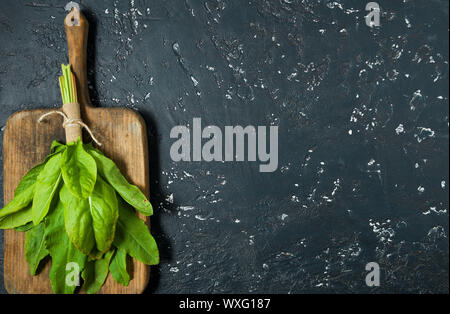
[
  {"x": 130, "y": 193},
  {"x": 133, "y": 236},
  {"x": 64, "y": 254},
  {"x": 79, "y": 170},
  {"x": 118, "y": 267},
  {"x": 35, "y": 249},
  {"x": 77, "y": 220},
  {"x": 47, "y": 184},
  {"x": 104, "y": 212}
]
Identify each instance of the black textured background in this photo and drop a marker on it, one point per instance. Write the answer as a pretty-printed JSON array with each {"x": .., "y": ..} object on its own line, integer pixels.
[{"x": 363, "y": 133}]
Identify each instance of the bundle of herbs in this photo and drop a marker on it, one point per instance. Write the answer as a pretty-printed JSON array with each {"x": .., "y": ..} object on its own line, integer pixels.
[{"x": 77, "y": 208}]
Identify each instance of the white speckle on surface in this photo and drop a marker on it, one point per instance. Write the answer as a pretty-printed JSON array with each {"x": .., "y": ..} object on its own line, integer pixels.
[
  {"x": 400, "y": 129},
  {"x": 421, "y": 189},
  {"x": 169, "y": 198},
  {"x": 237, "y": 221},
  {"x": 265, "y": 266},
  {"x": 284, "y": 168},
  {"x": 336, "y": 187},
  {"x": 295, "y": 199},
  {"x": 350, "y": 132},
  {"x": 434, "y": 210},
  {"x": 250, "y": 240},
  {"x": 283, "y": 216},
  {"x": 408, "y": 23},
  {"x": 107, "y": 11},
  {"x": 443, "y": 184},
  {"x": 198, "y": 217},
  {"x": 416, "y": 165},
  {"x": 292, "y": 75},
  {"x": 371, "y": 162},
  {"x": 417, "y": 94},
  {"x": 335, "y": 4},
  {"x": 187, "y": 174},
  {"x": 176, "y": 47},
  {"x": 424, "y": 133},
  {"x": 383, "y": 230},
  {"x": 186, "y": 208},
  {"x": 194, "y": 81},
  {"x": 174, "y": 269},
  {"x": 437, "y": 232}
]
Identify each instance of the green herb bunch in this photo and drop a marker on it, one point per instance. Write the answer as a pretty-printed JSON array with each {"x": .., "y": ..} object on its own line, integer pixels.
[{"x": 77, "y": 207}]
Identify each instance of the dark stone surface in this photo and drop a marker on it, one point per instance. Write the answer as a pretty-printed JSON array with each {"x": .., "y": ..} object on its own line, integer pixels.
[{"x": 363, "y": 133}]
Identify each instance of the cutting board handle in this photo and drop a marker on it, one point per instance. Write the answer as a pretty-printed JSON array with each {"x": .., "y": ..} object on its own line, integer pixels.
[{"x": 77, "y": 28}]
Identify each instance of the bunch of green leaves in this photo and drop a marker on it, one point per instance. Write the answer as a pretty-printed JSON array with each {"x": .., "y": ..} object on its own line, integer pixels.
[{"x": 77, "y": 207}]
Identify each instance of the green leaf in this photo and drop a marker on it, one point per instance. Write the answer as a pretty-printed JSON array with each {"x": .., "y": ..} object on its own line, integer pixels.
[
  {"x": 118, "y": 268},
  {"x": 29, "y": 179},
  {"x": 17, "y": 219},
  {"x": 78, "y": 220},
  {"x": 31, "y": 176},
  {"x": 79, "y": 170},
  {"x": 64, "y": 254},
  {"x": 104, "y": 212},
  {"x": 133, "y": 236},
  {"x": 95, "y": 273},
  {"x": 130, "y": 193},
  {"x": 35, "y": 249},
  {"x": 95, "y": 255},
  {"x": 47, "y": 184},
  {"x": 19, "y": 202},
  {"x": 57, "y": 147},
  {"x": 25, "y": 227},
  {"x": 91, "y": 222},
  {"x": 23, "y": 195}
]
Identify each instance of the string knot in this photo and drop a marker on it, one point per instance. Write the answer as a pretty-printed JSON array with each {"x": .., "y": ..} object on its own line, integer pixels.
[{"x": 70, "y": 122}]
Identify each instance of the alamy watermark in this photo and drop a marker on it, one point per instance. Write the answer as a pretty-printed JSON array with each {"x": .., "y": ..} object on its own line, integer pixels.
[
  {"x": 373, "y": 17},
  {"x": 73, "y": 275},
  {"x": 373, "y": 277},
  {"x": 233, "y": 143}
]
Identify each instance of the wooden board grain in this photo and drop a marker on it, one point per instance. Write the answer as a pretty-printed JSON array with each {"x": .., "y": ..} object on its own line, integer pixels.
[{"x": 26, "y": 142}]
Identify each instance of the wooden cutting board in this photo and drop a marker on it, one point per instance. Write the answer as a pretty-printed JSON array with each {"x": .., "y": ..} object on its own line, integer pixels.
[{"x": 123, "y": 135}]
